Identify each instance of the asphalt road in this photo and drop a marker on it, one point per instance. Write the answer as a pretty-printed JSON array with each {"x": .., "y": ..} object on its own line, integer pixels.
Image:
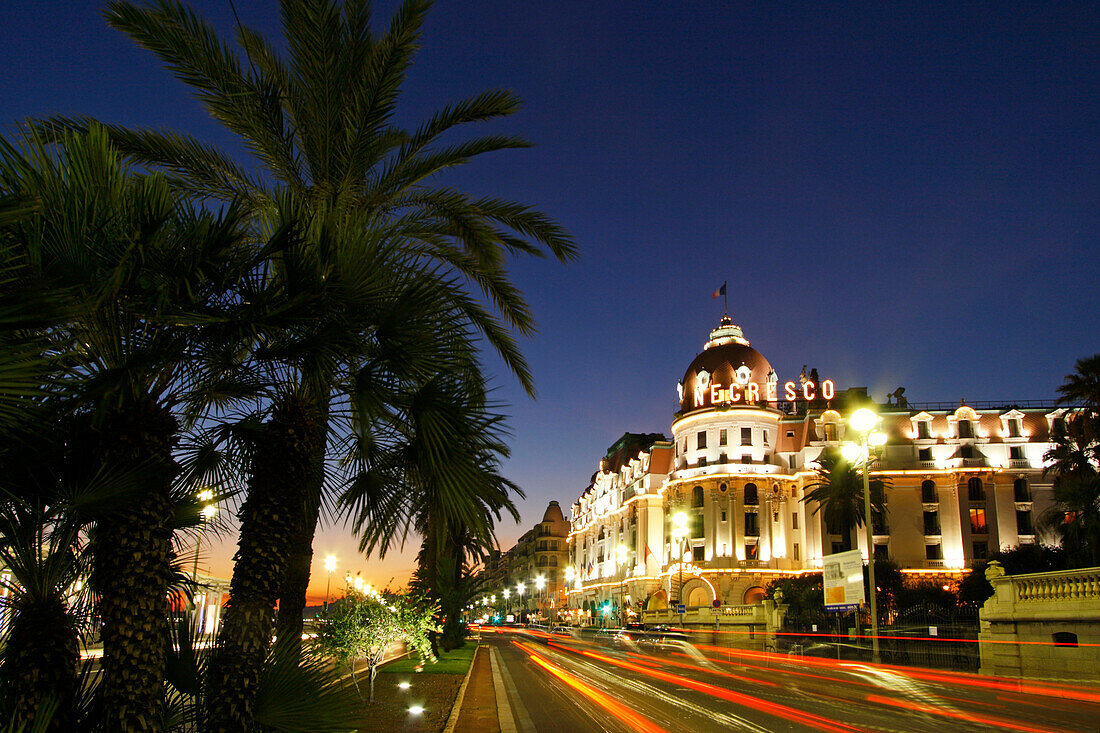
[{"x": 561, "y": 684}]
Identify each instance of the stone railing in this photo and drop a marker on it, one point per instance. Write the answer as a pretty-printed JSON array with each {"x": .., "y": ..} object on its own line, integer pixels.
[{"x": 1066, "y": 585}]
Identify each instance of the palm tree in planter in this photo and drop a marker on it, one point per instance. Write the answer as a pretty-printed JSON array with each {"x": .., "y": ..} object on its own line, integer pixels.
[
  {"x": 138, "y": 275},
  {"x": 837, "y": 493}
]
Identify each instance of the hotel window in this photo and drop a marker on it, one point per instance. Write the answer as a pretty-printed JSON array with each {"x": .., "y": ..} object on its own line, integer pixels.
[
  {"x": 933, "y": 552},
  {"x": 751, "y": 494},
  {"x": 931, "y": 522},
  {"x": 697, "y": 496},
  {"x": 794, "y": 520},
  {"x": 977, "y": 522},
  {"x": 790, "y": 433},
  {"x": 722, "y": 436},
  {"x": 723, "y": 516},
  {"x": 838, "y": 547},
  {"x": 746, "y": 457},
  {"x": 699, "y": 553},
  {"x": 928, "y": 492},
  {"x": 765, "y": 437},
  {"x": 882, "y": 552},
  {"x": 966, "y": 451},
  {"x": 696, "y": 526},
  {"x": 793, "y": 460},
  {"x": 1023, "y": 522},
  {"x": 830, "y": 431},
  {"x": 1014, "y": 428},
  {"x": 923, "y": 433},
  {"x": 878, "y": 522},
  {"x": 1058, "y": 426},
  {"x": 1020, "y": 490},
  {"x": 752, "y": 552},
  {"x": 966, "y": 429},
  {"x": 796, "y": 553},
  {"x": 701, "y": 439},
  {"x": 924, "y": 454},
  {"x": 702, "y": 460},
  {"x": 981, "y": 550},
  {"x": 752, "y": 528},
  {"x": 1016, "y": 452},
  {"x": 975, "y": 491},
  {"x": 746, "y": 436}
]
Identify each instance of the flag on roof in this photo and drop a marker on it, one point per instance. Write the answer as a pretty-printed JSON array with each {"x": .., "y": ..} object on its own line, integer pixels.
[{"x": 719, "y": 291}]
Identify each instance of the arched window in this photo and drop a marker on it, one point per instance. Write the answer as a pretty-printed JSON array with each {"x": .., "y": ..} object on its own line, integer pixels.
[
  {"x": 699, "y": 596},
  {"x": 697, "y": 496},
  {"x": 966, "y": 429},
  {"x": 1020, "y": 491},
  {"x": 928, "y": 491},
  {"x": 751, "y": 494},
  {"x": 975, "y": 491}
]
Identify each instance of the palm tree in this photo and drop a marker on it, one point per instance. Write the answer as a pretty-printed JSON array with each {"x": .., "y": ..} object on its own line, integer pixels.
[
  {"x": 837, "y": 493},
  {"x": 1073, "y": 459},
  {"x": 139, "y": 275},
  {"x": 321, "y": 125}
]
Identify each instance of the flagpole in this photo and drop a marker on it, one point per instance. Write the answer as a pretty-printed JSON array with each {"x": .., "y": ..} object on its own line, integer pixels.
[{"x": 725, "y": 301}]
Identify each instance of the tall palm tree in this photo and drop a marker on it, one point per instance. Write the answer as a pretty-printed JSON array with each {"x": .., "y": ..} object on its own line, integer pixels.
[
  {"x": 837, "y": 492},
  {"x": 140, "y": 274},
  {"x": 320, "y": 123},
  {"x": 1073, "y": 459}
]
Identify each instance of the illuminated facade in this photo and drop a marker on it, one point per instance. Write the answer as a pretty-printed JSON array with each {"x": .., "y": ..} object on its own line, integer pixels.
[{"x": 963, "y": 481}]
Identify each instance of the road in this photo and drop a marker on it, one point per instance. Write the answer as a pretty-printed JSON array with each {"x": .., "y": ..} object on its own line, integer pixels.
[{"x": 560, "y": 684}]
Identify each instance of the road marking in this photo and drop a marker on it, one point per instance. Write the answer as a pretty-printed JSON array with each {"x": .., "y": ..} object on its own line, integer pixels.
[
  {"x": 522, "y": 718},
  {"x": 504, "y": 711}
]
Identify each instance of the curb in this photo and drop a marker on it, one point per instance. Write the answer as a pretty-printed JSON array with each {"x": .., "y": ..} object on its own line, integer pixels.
[{"x": 452, "y": 719}]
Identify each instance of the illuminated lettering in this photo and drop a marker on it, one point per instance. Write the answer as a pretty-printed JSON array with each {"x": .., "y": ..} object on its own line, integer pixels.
[
  {"x": 715, "y": 392},
  {"x": 770, "y": 390},
  {"x": 828, "y": 389},
  {"x": 735, "y": 394},
  {"x": 698, "y": 394},
  {"x": 752, "y": 392},
  {"x": 788, "y": 391},
  {"x": 808, "y": 391}
]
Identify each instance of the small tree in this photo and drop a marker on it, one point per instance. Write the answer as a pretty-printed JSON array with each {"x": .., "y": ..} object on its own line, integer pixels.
[{"x": 363, "y": 627}]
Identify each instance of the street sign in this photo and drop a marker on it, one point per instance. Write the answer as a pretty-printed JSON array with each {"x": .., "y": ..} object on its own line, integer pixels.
[
  {"x": 716, "y": 603},
  {"x": 681, "y": 608},
  {"x": 843, "y": 580}
]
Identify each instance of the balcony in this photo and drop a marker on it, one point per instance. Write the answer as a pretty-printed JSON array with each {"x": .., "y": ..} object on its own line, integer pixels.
[{"x": 1019, "y": 463}]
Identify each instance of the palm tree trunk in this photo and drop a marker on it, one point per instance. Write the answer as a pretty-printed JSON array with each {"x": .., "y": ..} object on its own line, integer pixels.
[
  {"x": 292, "y": 595},
  {"x": 132, "y": 567},
  {"x": 284, "y": 461},
  {"x": 41, "y": 655}
]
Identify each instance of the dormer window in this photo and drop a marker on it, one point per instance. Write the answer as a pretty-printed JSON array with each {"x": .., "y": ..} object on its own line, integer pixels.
[
  {"x": 1014, "y": 428},
  {"x": 923, "y": 433},
  {"x": 965, "y": 429}
]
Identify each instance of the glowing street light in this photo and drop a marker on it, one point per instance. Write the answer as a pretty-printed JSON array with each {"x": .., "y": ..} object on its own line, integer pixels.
[
  {"x": 330, "y": 566},
  {"x": 207, "y": 513},
  {"x": 864, "y": 421},
  {"x": 679, "y": 535}
]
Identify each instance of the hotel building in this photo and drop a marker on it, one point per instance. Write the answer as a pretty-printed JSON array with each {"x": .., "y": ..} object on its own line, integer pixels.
[{"x": 962, "y": 481}]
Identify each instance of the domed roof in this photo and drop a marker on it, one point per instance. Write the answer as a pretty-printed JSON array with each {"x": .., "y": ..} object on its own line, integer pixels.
[
  {"x": 553, "y": 513},
  {"x": 728, "y": 371}
]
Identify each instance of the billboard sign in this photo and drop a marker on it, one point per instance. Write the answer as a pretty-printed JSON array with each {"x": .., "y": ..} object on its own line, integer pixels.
[{"x": 843, "y": 580}]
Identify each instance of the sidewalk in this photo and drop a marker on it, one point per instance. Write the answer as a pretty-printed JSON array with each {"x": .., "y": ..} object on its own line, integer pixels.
[{"x": 478, "y": 713}]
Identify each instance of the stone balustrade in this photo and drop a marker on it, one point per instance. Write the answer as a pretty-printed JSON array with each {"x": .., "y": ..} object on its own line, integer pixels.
[{"x": 1067, "y": 585}]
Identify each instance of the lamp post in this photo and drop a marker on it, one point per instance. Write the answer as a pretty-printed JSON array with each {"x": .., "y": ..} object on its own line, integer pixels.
[
  {"x": 330, "y": 566},
  {"x": 620, "y": 561},
  {"x": 540, "y": 585},
  {"x": 863, "y": 421},
  {"x": 679, "y": 534},
  {"x": 519, "y": 591},
  {"x": 570, "y": 574},
  {"x": 208, "y": 511}
]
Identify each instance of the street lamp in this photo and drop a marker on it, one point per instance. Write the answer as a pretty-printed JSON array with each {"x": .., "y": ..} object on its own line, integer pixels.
[
  {"x": 330, "y": 566},
  {"x": 863, "y": 421},
  {"x": 620, "y": 560},
  {"x": 519, "y": 591},
  {"x": 207, "y": 513},
  {"x": 679, "y": 534},
  {"x": 540, "y": 585}
]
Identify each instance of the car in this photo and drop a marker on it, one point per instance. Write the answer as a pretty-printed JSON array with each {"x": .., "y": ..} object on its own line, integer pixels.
[
  {"x": 664, "y": 641},
  {"x": 562, "y": 631}
]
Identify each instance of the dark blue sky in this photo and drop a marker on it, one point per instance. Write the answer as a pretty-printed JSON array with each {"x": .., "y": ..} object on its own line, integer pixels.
[{"x": 897, "y": 194}]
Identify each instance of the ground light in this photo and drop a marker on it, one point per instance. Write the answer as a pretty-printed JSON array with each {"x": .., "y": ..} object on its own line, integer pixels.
[
  {"x": 416, "y": 710},
  {"x": 404, "y": 685}
]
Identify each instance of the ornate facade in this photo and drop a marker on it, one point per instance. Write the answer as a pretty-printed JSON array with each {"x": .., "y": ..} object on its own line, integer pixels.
[{"x": 962, "y": 481}]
